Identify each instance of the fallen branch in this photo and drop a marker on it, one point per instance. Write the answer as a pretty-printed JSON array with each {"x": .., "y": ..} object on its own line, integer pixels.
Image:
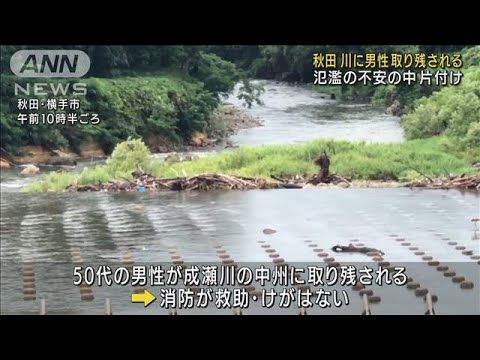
[
  {"x": 278, "y": 178},
  {"x": 291, "y": 186},
  {"x": 330, "y": 179},
  {"x": 423, "y": 174}
]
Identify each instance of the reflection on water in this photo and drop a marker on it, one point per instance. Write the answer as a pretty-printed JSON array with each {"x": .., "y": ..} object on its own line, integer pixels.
[{"x": 101, "y": 226}]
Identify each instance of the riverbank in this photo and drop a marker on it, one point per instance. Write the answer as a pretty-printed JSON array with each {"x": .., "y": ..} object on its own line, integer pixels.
[
  {"x": 226, "y": 121},
  {"x": 356, "y": 161},
  {"x": 169, "y": 109}
]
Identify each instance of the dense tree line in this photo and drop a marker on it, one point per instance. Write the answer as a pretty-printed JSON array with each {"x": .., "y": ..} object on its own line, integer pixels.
[
  {"x": 108, "y": 61},
  {"x": 294, "y": 62},
  {"x": 281, "y": 62},
  {"x": 171, "y": 90},
  {"x": 168, "y": 91}
]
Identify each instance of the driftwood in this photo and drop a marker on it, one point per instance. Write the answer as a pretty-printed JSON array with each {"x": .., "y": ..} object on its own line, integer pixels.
[
  {"x": 324, "y": 176},
  {"x": 359, "y": 249},
  {"x": 147, "y": 182},
  {"x": 323, "y": 161},
  {"x": 298, "y": 182},
  {"x": 205, "y": 182},
  {"x": 451, "y": 182},
  {"x": 330, "y": 179},
  {"x": 293, "y": 183}
]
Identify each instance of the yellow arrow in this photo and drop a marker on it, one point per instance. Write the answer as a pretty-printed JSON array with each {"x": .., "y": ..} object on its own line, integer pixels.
[{"x": 146, "y": 298}]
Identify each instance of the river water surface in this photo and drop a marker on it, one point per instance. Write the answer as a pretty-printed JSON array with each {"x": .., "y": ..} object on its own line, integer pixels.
[
  {"x": 295, "y": 114},
  {"x": 47, "y": 233}
]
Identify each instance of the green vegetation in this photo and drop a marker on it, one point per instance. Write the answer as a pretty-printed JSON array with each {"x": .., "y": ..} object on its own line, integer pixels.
[
  {"x": 471, "y": 56},
  {"x": 171, "y": 91},
  {"x": 359, "y": 160},
  {"x": 166, "y": 106},
  {"x": 128, "y": 155},
  {"x": 138, "y": 91},
  {"x": 432, "y": 157},
  {"x": 453, "y": 111}
]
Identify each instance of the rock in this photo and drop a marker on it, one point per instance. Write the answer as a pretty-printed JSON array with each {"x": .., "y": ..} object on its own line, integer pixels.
[
  {"x": 394, "y": 109},
  {"x": 4, "y": 164},
  {"x": 196, "y": 142},
  {"x": 30, "y": 169},
  {"x": 91, "y": 149},
  {"x": 32, "y": 155},
  {"x": 286, "y": 76},
  {"x": 61, "y": 161},
  {"x": 172, "y": 158},
  {"x": 38, "y": 155},
  {"x": 64, "y": 153},
  {"x": 269, "y": 231},
  {"x": 199, "y": 139},
  {"x": 6, "y": 156},
  {"x": 187, "y": 158},
  {"x": 123, "y": 185},
  {"x": 326, "y": 185}
]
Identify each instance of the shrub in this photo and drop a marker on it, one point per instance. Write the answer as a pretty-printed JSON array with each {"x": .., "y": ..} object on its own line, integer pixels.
[
  {"x": 473, "y": 135},
  {"x": 451, "y": 110},
  {"x": 127, "y": 157}
]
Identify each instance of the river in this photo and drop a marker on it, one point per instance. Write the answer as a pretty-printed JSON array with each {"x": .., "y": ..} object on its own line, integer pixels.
[
  {"x": 45, "y": 235},
  {"x": 296, "y": 114}
]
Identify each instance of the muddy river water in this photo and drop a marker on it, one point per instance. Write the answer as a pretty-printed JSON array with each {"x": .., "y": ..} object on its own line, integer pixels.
[{"x": 43, "y": 236}]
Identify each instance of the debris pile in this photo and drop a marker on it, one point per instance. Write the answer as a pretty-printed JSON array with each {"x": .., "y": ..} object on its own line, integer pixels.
[
  {"x": 330, "y": 179},
  {"x": 451, "y": 182},
  {"x": 146, "y": 182},
  {"x": 298, "y": 182}
]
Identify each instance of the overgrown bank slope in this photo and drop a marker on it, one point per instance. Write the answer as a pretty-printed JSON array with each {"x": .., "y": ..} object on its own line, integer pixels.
[{"x": 166, "y": 106}]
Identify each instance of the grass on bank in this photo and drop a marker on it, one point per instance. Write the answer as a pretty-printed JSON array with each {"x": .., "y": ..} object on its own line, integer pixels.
[{"x": 433, "y": 157}]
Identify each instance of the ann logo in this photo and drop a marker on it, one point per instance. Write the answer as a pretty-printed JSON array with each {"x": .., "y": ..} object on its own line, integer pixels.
[
  {"x": 50, "y": 63},
  {"x": 55, "y": 65}
]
